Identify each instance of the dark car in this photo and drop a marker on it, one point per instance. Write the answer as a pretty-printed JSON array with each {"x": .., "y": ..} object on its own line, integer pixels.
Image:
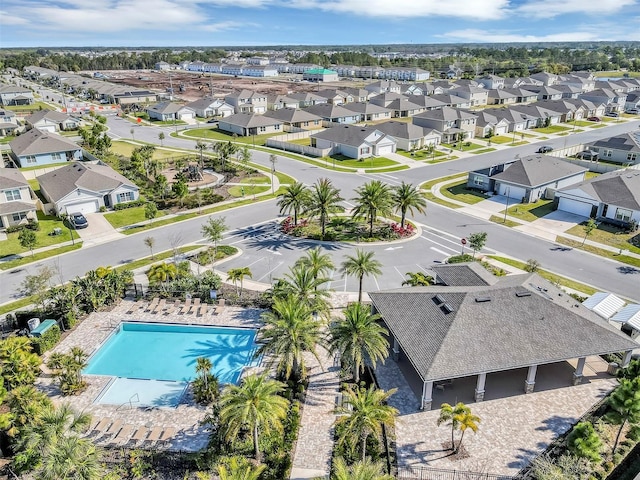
[
  {"x": 612, "y": 114},
  {"x": 545, "y": 149},
  {"x": 78, "y": 221},
  {"x": 594, "y": 119},
  {"x": 588, "y": 155}
]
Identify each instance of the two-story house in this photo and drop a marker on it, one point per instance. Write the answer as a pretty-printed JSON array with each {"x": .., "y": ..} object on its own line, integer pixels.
[
  {"x": 16, "y": 204},
  {"x": 454, "y": 124},
  {"x": 613, "y": 101},
  {"x": 247, "y": 101}
]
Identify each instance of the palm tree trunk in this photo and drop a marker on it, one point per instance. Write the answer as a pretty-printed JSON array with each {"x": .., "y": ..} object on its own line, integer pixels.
[
  {"x": 241, "y": 286},
  {"x": 371, "y": 224},
  {"x": 295, "y": 217},
  {"x": 615, "y": 444},
  {"x": 360, "y": 290},
  {"x": 256, "y": 447},
  {"x": 453, "y": 444},
  {"x": 455, "y": 450},
  {"x": 356, "y": 373},
  {"x": 402, "y": 218},
  {"x": 364, "y": 447}
]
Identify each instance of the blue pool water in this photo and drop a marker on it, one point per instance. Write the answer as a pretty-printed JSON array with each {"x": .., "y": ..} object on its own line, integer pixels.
[{"x": 168, "y": 352}]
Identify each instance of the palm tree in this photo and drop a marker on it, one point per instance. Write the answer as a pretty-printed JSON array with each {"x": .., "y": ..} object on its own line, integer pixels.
[
  {"x": 408, "y": 198},
  {"x": 255, "y": 404},
  {"x": 205, "y": 385},
  {"x": 237, "y": 275},
  {"x": 317, "y": 262},
  {"x": 213, "y": 231},
  {"x": 324, "y": 201},
  {"x": 18, "y": 363},
  {"x": 239, "y": 470},
  {"x": 374, "y": 198},
  {"x": 364, "y": 412},
  {"x": 301, "y": 283},
  {"x": 161, "y": 138},
  {"x": 466, "y": 421},
  {"x": 71, "y": 458},
  {"x": 361, "y": 265},
  {"x": 224, "y": 151},
  {"x": 294, "y": 199},
  {"x": 162, "y": 272},
  {"x": 290, "y": 332},
  {"x": 363, "y": 470},
  {"x": 201, "y": 147},
  {"x": 418, "y": 279},
  {"x": 624, "y": 404},
  {"x": 449, "y": 416},
  {"x": 358, "y": 336}
]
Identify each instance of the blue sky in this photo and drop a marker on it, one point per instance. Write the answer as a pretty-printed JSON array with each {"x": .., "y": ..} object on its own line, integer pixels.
[{"x": 47, "y": 23}]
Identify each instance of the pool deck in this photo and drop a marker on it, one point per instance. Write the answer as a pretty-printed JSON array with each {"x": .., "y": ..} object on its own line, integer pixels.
[{"x": 183, "y": 421}]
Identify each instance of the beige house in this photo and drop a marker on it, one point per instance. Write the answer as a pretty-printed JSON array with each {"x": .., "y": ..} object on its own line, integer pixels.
[{"x": 16, "y": 204}]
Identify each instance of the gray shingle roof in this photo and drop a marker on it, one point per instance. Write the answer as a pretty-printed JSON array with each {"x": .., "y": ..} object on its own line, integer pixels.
[
  {"x": 538, "y": 170},
  {"x": 57, "y": 117},
  {"x": 403, "y": 130},
  {"x": 12, "y": 178},
  {"x": 250, "y": 120},
  {"x": 16, "y": 207},
  {"x": 292, "y": 115},
  {"x": 522, "y": 320},
  {"x": 460, "y": 274},
  {"x": 36, "y": 141},
  {"x": 628, "y": 142},
  {"x": 620, "y": 187},
  {"x": 365, "y": 107},
  {"x": 86, "y": 176},
  {"x": 328, "y": 111},
  {"x": 346, "y": 134}
]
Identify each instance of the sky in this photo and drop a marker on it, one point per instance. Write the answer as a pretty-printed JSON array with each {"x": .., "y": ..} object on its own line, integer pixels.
[{"x": 117, "y": 23}]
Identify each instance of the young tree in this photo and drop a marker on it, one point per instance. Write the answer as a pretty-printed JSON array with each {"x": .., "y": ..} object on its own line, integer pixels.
[
  {"x": 360, "y": 265},
  {"x": 449, "y": 415},
  {"x": 245, "y": 156},
  {"x": 466, "y": 421},
  {"x": 358, "y": 337},
  {"x": 418, "y": 279},
  {"x": 71, "y": 458},
  {"x": 19, "y": 366},
  {"x": 206, "y": 386},
  {"x": 374, "y": 198},
  {"x": 150, "y": 242},
  {"x": 28, "y": 239},
  {"x": 408, "y": 198},
  {"x": 236, "y": 275},
  {"x": 323, "y": 202},
  {"x": 477, "y": 241},
  {"x": 624, "y": 403},
  {"x": 319, "y": 263},
  {"x": 38, "y": 284},
  {"x": 162, "y": 272},
  {"x": 584, "y": 442},
  {"x": 161, "y": 138},
  {"x": 301, "y": 283},
  {"x": 180, "y": 190},
  {"x": 589, "y": 227},
  {"x": 201, "y": 147},
  {"x": 150, "y": 210},
  {"x": 255, "y": 404},
  {"x": 362, "y": 470},
  {"x": 213, "y": 231},
  {"x": 532, "y": 265},
  {"x": 293, "y": 200}
]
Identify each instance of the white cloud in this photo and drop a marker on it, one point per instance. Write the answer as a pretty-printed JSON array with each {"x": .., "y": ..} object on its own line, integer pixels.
[
  {"x": 9, "y": 20},
  {"x": 488, "y": 36},
  {"x": 553, "y": 8},
  {"x": 222, "y": 26}
]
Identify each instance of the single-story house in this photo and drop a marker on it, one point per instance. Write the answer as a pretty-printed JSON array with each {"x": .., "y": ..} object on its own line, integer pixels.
[
  {"x": 614, "y": 101},
  {"x": 85, "y": 187},
  {"x": 537, "y": 115},
  {"x": 211, "y": 107},
  {"x": 612, "y": 197},
  {"x": 8, "y": 123},
  {"x": 623, "y": 148},
  {"x": 167, "y": 111},
  {"x": 519, "y": 322},
  {"x": 355, "y": 142},
  {"x": 429, "y": 103},
  {"x": 51, "y": 121},
  {"x": 403, "y": 107},
  {"x": 522, "y": 94},
  {"x": 130, "y": 97},
  {"x": 633, "y": 101},
  {"x": 307, "y": 99},
  {"x": 358, "y": 94},
  {"x": 368, "y": 111},
  {"x": 274, "y": 102},
  {"x": 14, "y": 95},
  {"x": 501, "y": 96},
  {"x": 383, "y": 86},
  {"x": 334, "y": 113},
  {"x": 295, "y": 117},
  {"x": 335, "y": 96},
  {"x": 384, "y": 99},
  {"x": 16, "y": 204},
  {"x": 452, "y": 100},
  {"x": 529, "y": 178},
  {"x": 37, "y": 148},
  {"x": 246, "y": 124},
  {"x": 409, "y": 136}
]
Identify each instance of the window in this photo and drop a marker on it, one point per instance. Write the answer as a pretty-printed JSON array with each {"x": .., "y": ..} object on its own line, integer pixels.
[
  {"x": 12, "y": 195},
  {"x": 56, "y": 156},
  {"x": 607, "y": 153},
  {"x": 19, "y": 216},
  {"x": 478, "y": 181},
  {"x": 125, "y": 197},
  {"x": 31, "y": 159},
  {"x": 623, "y": 215},
  {"x": 263, "y": 129},
  {"x": 364, "y": 150},
  {"x": 631, "y": 157}
]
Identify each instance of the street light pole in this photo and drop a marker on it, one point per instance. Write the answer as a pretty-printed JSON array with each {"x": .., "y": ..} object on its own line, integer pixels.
[{"x": 505, "y": 210}]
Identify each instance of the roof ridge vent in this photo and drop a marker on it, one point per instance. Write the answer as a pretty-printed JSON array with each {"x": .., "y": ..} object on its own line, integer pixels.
[
  {"x": 483, "y": 299},
  {"x": 446, "y": 308},
  {"x": 439, "y": 299},
  {"x": 523, "y": 293}
]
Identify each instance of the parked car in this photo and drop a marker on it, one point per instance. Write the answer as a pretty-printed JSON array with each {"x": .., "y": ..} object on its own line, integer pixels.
[
  {"x": 78, "y": 221},
  {"x": 633, "y": 111},
  {"x": 594, "y": 119},
  {"x": 588, "y": 155},
  {"x": 545, "y": 149},
  {"x": 612, "y": 114}
]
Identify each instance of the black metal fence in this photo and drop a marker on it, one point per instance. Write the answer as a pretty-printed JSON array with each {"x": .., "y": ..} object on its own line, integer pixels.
[{"x": 428, "y": 473}]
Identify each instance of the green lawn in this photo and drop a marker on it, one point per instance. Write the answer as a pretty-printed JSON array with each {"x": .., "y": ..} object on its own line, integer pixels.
[
  {"x": 167, "y": 122},
  {"x": 522, "y": 142},
  {"x": 302, "y": 141},
  {"x": 11, "y": 246},
  {"x": 430, "y": 196},
  {"x": 128, "y": 216},
  {"x": 39, "y": 167},
  {"x": 18, "y": 304},
  {"x": 371, "y": 162},
  {"x": 126, "y": 149},
  {"x": 590, "y": 175},
  {"x": 616, "y": 74},
  {"x": 529, "y": 212},
  {"x": 466, "y": 146},
  {"x": 215, "y": 134},
  {"x": 500, "y": 139},
  {"x": 459, "y": 191},
  {"x": 610, "y": 235},
  {"x": 390, "y": 169},
  {"x": 597, "y": 125},
  {"x": 157, "y": 258},
  {"x": 30, "y": 108},
  {"x": 552, "y": 129},
  {"x": 601, "y": 252},
  {"x": 421, "y": 154},
  {"x": 27, "y": 258},
  {"x": 257, "y": 179},
  {"x": 239, "y": 191},
  {"x": 484, "y": 150},
  {"x": 7, "y": 139},
  {"x": 501, "y": 220},
  {"x": 579, "y": 123}
]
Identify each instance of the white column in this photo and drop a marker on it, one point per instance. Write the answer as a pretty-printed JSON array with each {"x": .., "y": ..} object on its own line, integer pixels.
[
  {"x": 396, "y": 349},
  {"x": 530, "y": 382},
  {"x": 479, "y": 393},
  {"x": 427, "y": 396},
  {"x": 577, "y": 375},
  {"x": 626, "y": 359}
]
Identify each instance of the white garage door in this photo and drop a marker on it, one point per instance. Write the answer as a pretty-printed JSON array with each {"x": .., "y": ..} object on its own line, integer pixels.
[
  {"x": 573, "y": 206},
  {"x": 512, "y": 192},
  {"x": 501, "y": 130},
  {"x": 186, "y": 115},
  {"x": 384, "y": 149},
  {"x": 85, "y": 207}
]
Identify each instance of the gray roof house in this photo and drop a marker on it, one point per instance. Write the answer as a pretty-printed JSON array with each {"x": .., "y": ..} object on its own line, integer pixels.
[
  {"x": 519, "y": 323},
  {"x": 295, "y": 117},
  {"x": 14, "y": 95},
  {"x": 612, "y": 197},
  {"x": 211, "y": 107},
  {"x": 16, "y": 205},
  {"x": 623, "y": 148},
  {"x": 410, "y": 137},
  {"x": 354, "y": 142},
  {"x": 307, "y": 99},
  {"x": 37, "y": 148},
  {"x": 452, "y": 122},
  {"x": 52, "y": 121},
  {"x": 535, "y": 176},
  {"x": 167, "y": 111},
  {"x": 613, "y": 101},
  {"x": 334, "y": 113},
  {"x": 85, "y": 187},
  {"x": 501, "y": 96},
  {"x": 8, "y": 122},
  {"x": 369, "y": 112},
  {"x": 246, "y": 124}
]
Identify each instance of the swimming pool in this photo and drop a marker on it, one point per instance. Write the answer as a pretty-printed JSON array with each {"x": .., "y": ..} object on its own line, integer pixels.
[{"x": 167, "y": 353}]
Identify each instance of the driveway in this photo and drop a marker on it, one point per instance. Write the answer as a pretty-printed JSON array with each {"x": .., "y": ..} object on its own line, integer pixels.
[
  {"x": 98, "y": 231},
  {"x": 489, "y": 207},
  {"x": 552, "y": 225}
]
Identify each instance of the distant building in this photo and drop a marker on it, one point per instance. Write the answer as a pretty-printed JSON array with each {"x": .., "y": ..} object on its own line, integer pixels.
[{"x": 320, "y": 75}]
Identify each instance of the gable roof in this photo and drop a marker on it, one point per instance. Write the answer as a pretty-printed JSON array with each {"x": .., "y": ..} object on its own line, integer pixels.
[
  {"x": 36, "y": 141},
  {"x": 12, "y": 178},
  {"x": 459, "y": 274},
  {"x": 349, "y": 134},
  {"x": 538, "y": 170},
  {"x": 292, "y": 115},
  {"x": 404, "y": 130},
  {"x": 56, "y": 117},
  {"x": 94, "y": 178},
  {"x": 446, "y": 114},
  {"x": 165, "y": 107},
  {"x": 620, "y": 188},
  {"x": 250, "y": 120},
  {"x": 366, "y": 107},
  {"x": 628, "y": 142},
  {"x": 329, "y": 110},
  {"x": 519, "y": 321}
]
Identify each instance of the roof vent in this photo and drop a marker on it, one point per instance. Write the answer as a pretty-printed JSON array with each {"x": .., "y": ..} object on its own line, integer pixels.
[
  {"x": 447, "y": 308},
  {"x": 438, "y": 299},
  {"x": 483, "y": 299},
  {"x": 523, "y": 294}
]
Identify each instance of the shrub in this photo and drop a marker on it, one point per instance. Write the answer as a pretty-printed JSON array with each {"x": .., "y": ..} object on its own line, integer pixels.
[
  {"x": 14, "y": 228},
  {"x": 47, "y": 340},
  {"x": 460, "y": 258},
  {"x": 69, "y": 320},
  {"x": 125, "y": 205},
  {"x": 103, "y": 209}
]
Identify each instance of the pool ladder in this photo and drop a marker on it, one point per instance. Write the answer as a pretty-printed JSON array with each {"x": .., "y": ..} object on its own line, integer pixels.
[{"x": 133, "y": 398}]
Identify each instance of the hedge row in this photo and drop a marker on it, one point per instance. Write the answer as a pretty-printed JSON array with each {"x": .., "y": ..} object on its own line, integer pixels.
[{"x": 125, "y": 205}]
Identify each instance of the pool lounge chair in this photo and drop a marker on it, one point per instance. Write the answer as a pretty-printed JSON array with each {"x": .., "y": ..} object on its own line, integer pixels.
[
  {"x": 172, "y": 307},
  {"x": 136, "y": 306},
  {"x": 98, "y": 427},
  {"x": 122, "y": 437},
  {"x": 139, "y": 436},
  {"x": 186, "y": 307},
  {"x": 154, "y": 435},
  {"x": 196, "y": 304},
  {"x": 203, "y": 310},
  {"x": 160, "y": 306},
  {"x": 115, "y": 427},
  {"x": 152, "y": 305}
]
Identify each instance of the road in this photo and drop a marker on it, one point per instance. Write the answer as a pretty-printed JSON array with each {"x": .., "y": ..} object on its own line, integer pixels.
[{"x": 269, "y": 254}]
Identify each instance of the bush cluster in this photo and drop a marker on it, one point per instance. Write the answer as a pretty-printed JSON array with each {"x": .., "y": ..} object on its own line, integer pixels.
[
  {"x": 47, "y": 340},
  {"x": 125, "y": 205}
]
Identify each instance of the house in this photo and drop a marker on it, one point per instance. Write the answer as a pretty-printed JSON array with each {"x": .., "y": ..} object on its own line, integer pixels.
[
  {"x": 488, "y": 124},
  {"x": 422, "y": 88},
  {"x": 51, "y": 121},
  {"x": 613, "y": 101},
  {"x": 85, "y": 187},
  {"x": 295, "y": 117},
  {"x": 354, "y": 142},
  {"x": 547, "y": 79},
  {"x": 369, "y": 112},
  {"x": 523, "y": 95},
  {"x": 453, "y": 123},
  {"x": 252, "y": 71},
  {"x": 518, "y": 122},
  {"x": 404, "y": 107},
  {"x": 477, "y": 96},
  {"x": 162, "y": 66},
  {"x": 14, "y": 95},
  {"x": 501, "y": 96},
  {"x": 247, "y": 101},
  {"x": 533, "y": 177},
  {"x": 167, "y": 111},
  {"x": 452, "y": 100},
  {"x": 623, "y": 148},
  {"x": 491, "y": 82},
  {"x": 308, "y": 99},
  {"x": 336, "y": 97},
  {"x": 358, "y": 94},
  {"x": 584, "y": 81},
  {"x": 334, "y": 113},
  {"x": 37, "y": 148},
  {"x": 16, "y": 204},
  {"x": 383, "y": 86},
  {"x": 274, "y": 102},
  {"x": 518, "y": 323},
  {"x": 211, "y": 107},
  {"x": 568, "y": 110},
  {"x": 246, "y": 124},
  {"x": 8, "y": 123},
  {"x": 545, "y": 93},
  {"x": 130, "y": 97},
  {"x": 612, "y": 197},
  {"x": 537, "y": 116},
  {"x": 633, "y": 101},
  {"x": 428, "y": 102},
  {"x": 408, "y": 136},
  {"x": 384, "y": 99},
  {"x": 320, "y": 75},
  {"x": 568, "y": 91}
]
